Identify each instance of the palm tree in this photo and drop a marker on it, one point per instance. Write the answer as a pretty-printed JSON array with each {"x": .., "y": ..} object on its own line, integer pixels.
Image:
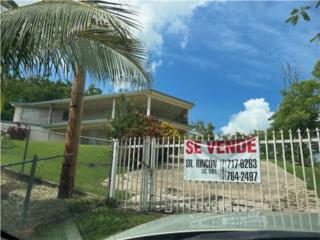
[{"x": 86, "y": 37}]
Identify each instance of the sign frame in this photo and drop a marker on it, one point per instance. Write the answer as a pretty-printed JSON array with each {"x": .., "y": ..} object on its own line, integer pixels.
[{"x": 234, "y": 161}]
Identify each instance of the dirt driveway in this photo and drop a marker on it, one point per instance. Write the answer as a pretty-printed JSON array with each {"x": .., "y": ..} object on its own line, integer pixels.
[{"x": 173, "y": 193}]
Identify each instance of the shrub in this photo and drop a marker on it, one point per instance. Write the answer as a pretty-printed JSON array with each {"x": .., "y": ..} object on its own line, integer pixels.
[
  {"x": 17, "y": 132},
  {"x": 140, "y": 125},
  {"x": 6, "y": 142},
  {"x": 133, "y": 123},
  {"x": 168, "y": 130}
]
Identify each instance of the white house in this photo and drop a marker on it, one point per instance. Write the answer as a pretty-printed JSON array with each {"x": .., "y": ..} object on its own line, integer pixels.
[{"x": 53, "y": 115}]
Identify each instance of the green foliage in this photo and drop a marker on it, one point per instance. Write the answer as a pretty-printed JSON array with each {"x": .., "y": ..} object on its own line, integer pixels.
[
  {"x": 129, "y": 121},
  {"x": 32, "y": 90},
  {"x": 168, "y": 131},
  {"x": 17, "y": 132},
  {"x": 93, "y": 220},
  {"x": 36, "y": 89},
  {"x": 302, "y": 12},
  {"x": 104, "y": 222},
  {"x": 316, "y": 70},
  {"x": 308, "y": 173},
  {"x": 199, "y": 128},
  {"x": 95, "y": 36},
  {"x": 93, "y": 90},
  {"x": 125, "y": 118},
  {"x": 95, "y": 224},
  {"x": 9, "y": 4},
  {"x": 134, "y": 125},
  {"x": 300, "y": 107},
  {"x": 6, "y": 142}
]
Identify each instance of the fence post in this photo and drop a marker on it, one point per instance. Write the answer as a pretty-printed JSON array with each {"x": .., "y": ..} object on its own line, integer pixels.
[
  {"x": 29, "y": 188},
  {"x": 145, "y": 174},
  {"x": 152, "y": 172},
  {"x": 25, "y": 149},
  {"x": 113, "y": 167}
]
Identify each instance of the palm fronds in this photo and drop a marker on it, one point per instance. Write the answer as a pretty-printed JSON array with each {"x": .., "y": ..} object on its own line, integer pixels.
[
  {"x": 7, "y": 5},
  {"x": 52, "y": 35}
]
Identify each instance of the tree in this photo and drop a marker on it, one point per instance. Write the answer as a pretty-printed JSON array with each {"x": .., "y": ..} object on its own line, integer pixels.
[
  {"x": 125, "y": 118},
  {"x": 291, "y": 74},
  {"x": 316, "y": 70},
  {"x": 31, "y": 90},
  {"x": 302, "y": 12},
  {"x": 300, "y": 107},
  {"x": 35, "y": 89},
  {"x": 200, "y": 129},
  {"x": 130, "y": 121},
  {"x": 93, "y": 90},
  {"x": 85, "y": 37}
]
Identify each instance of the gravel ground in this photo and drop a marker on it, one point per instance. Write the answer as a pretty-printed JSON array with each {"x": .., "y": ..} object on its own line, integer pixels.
[
  {"x": 175, "y": 194},
  {"x": 44, "y": 205}
]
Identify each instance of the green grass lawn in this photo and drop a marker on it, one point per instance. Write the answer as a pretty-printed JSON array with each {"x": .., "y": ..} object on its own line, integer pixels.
[
  {"x": 95, "y": 224},
  {"x": 103, "y": 222},
  {"x": 92, "y": 164},
  {"x": 299, "y": 173},
  {"x": 308, "y": 174}
]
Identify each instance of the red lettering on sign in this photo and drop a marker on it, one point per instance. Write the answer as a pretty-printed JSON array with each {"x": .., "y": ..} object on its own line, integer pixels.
[
  {"x": 193, "y": 147},
  {"x": 197, "y": 147},
  {"x": 221, "y": 147},
  {"x": 241, "y": 147},
  {"x": 252, "y": 146},
  {"x": 189, "y": 147},
  {"x": 211, "y": 146},
  {"x": 230, "y": 146},
  {"x": 219, "y": 150}
]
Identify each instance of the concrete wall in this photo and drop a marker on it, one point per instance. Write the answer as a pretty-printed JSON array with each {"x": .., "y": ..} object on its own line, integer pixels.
[
  {"x": 34, "y": 115},
  {"x": 36, "y": 134},
  {"x": 43, "y": 135},
  {"x": 55, "y": 137},
  {"x": 17, "y": 114},
  {"x": 57, "y": 115}
]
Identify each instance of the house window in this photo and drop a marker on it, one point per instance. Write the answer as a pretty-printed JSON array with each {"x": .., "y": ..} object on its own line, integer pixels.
[{"x": 65, "y": 116}]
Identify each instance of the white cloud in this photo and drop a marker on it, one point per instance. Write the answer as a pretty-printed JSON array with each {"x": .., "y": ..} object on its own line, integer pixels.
[
  {"x": 25, "y": 2},
  {"x": 158, "y": 17},
  {"x": 255, "y": 116},
  {"x": 155, "y": 64},
  {"x": 126, "y": 86},
  {"x": 179, "y": 28},
  {"x": 116, "y": 87},
  {"x": 184, "y": 42}
]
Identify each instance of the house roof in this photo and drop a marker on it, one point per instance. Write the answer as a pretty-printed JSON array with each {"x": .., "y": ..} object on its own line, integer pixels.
[{"x": 151, "y": 92}]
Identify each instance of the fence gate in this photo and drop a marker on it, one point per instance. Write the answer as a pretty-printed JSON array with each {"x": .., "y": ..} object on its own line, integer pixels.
[{"x": 148, "y": 174}]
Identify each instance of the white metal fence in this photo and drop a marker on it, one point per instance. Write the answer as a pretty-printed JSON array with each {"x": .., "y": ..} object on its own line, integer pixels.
[{"x": 147, "y": 174}]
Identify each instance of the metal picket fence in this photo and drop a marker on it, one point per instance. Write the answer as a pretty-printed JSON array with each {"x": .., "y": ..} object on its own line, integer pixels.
[{"x": 147, "y": 174}]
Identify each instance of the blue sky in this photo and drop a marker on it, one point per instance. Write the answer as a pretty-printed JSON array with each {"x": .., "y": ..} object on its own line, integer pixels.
[
  {"x": 219, "y": 55},
  {"x": 234, "y": 53}
]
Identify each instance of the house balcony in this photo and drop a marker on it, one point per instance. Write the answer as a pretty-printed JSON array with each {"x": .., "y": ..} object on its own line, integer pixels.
[{"x": 99, "y": 109}]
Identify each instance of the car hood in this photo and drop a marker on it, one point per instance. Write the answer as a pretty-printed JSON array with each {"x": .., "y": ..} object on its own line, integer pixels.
[{"x": 210, "y": 222}]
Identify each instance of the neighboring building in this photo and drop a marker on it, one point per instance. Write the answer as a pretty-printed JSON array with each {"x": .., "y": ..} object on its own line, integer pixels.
[{"x": 53, "y": 115}]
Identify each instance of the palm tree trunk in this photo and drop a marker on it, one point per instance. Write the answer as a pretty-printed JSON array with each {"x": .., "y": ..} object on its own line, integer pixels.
[{"x": 72, "y": 139}]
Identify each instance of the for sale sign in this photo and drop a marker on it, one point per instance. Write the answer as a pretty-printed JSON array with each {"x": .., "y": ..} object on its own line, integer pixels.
[{"x": 222, "y": 161}]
